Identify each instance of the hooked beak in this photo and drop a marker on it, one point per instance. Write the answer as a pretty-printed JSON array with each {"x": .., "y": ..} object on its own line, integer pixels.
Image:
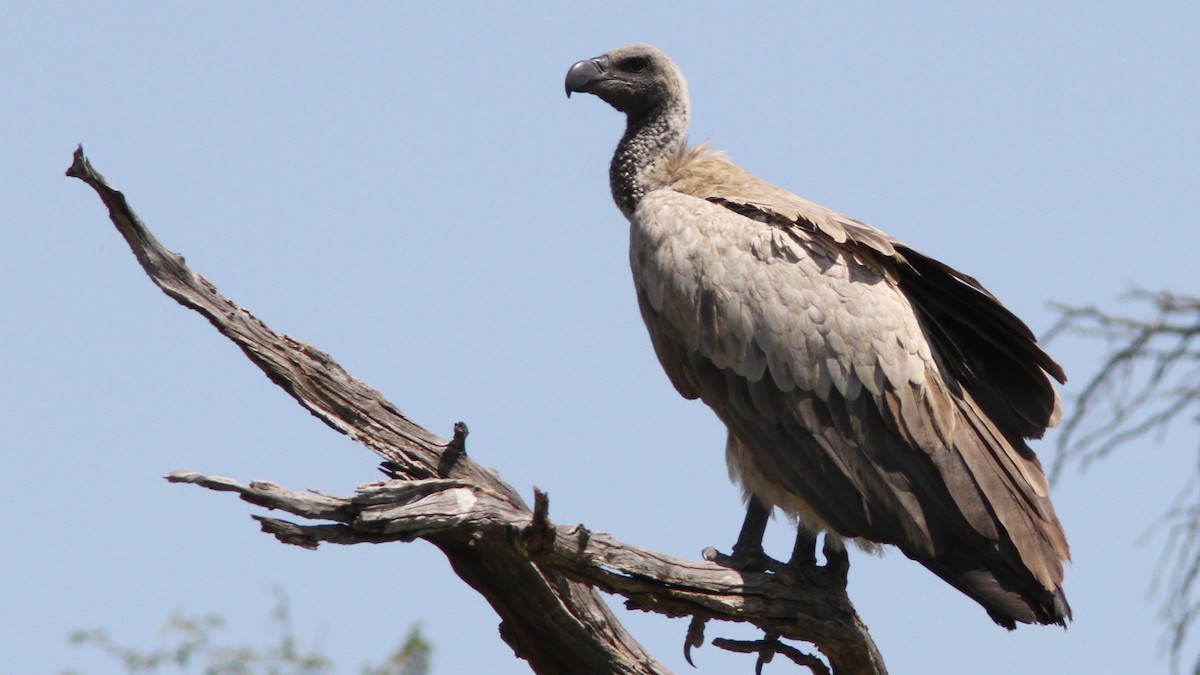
[{"x": 583, "y": 76}]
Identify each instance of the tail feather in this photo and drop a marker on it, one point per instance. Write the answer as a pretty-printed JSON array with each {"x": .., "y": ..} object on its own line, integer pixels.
[{"x": 1008, "y": 602}]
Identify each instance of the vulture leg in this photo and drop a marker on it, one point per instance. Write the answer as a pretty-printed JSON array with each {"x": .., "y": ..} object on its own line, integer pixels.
[
  {"x": 837, "y": 561},
  {"x": 748, "y": 551},
  {"x": 804, "y": 553}
]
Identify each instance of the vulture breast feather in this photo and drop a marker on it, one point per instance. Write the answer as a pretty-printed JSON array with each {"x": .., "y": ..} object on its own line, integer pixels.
[{"x": 868, "y": 389}]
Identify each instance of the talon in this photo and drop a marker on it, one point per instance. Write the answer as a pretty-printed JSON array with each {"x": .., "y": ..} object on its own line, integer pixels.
[
  {"x": 695, "y": 637},
  {"x": 750, "y": 561}
]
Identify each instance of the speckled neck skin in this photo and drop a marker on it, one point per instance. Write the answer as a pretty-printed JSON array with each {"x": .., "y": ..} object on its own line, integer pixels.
[{"x": 650, "y": 140}]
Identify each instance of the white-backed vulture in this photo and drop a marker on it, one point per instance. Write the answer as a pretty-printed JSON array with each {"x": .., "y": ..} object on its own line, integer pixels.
[{"x": 869, "y": 390}]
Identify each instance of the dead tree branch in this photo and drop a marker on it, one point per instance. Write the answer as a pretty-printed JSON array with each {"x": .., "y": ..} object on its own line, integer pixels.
[
  {"x": 1150, "y": 377},
  {"x": 541, "y": 578}
]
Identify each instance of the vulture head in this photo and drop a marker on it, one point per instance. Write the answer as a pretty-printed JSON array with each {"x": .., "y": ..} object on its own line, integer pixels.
[{"x": 636, "y": 79}]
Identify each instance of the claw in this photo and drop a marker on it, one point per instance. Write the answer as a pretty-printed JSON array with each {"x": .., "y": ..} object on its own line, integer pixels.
[{"x": 695, "y": 637}]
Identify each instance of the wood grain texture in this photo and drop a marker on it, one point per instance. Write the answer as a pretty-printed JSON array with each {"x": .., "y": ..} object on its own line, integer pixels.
[{"x": 542, "y": 579}]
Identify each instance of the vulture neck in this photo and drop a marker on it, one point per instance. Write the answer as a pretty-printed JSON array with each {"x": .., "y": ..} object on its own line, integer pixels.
[{"x": 650, "y": 141}]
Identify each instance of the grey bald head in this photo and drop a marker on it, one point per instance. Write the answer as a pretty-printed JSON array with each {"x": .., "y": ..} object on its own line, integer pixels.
[
  {"x": 642, "y": 82},
  {"x": 635, "y": 79}
]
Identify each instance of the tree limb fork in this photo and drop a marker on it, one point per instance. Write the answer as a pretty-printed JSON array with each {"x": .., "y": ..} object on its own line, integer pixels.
[{"x": 539, "y": 577}]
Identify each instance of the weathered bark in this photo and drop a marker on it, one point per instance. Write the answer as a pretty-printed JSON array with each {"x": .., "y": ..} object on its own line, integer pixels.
[{"x": 540, "y": 578}]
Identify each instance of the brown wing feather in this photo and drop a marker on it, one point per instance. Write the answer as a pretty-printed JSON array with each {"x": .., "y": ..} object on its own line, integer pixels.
[
  {"x": 878, "y": 419},
  {"x": 988, "y": 348}
]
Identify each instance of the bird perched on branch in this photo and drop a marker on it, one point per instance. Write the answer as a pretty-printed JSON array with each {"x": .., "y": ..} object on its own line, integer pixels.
[{"x": 870, "y": 391}]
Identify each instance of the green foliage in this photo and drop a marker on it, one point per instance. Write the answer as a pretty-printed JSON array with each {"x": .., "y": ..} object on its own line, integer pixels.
[
  {"x": 413, "y": 657},
  {"x": 191, "y": 646}
]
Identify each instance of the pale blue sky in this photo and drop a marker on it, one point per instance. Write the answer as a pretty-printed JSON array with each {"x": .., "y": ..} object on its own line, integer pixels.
[{"x": 409, "y": 190}]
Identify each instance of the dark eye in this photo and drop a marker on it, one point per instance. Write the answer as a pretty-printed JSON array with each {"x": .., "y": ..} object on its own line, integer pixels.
[{"x": 636, "y": 64}]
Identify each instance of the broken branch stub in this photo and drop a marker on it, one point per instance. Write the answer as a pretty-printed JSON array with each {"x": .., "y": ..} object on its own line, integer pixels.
[{"x": 540, "y": 578}]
